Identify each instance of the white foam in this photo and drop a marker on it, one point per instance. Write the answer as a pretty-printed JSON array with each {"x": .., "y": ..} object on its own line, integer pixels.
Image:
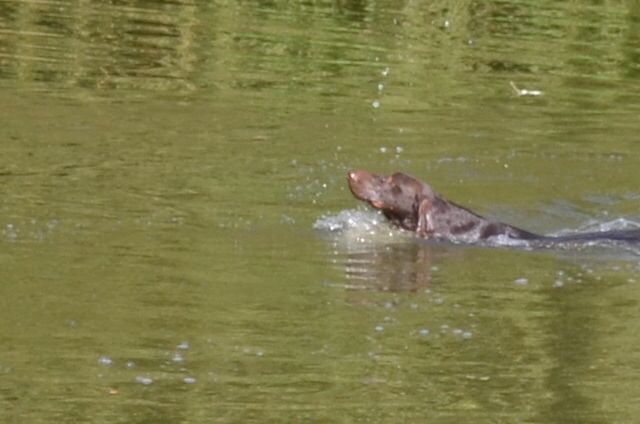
[
  {"x": 356, "y": 229},
  {"x": 596, "y": 226},
  {"x": 349, "y": 220}
]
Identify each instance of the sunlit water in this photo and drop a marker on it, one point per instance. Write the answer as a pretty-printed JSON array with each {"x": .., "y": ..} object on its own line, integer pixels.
[{"x": 178, "y": 243}]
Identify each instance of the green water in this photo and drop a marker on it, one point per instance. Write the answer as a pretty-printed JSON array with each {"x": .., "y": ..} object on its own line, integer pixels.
[{"x": 164, "y": 163}]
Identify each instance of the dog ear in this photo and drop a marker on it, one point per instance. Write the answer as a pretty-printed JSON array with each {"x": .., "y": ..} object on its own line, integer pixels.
[
  {"x": 426, "y": 227},
  {"x": 416, "y": 204}
]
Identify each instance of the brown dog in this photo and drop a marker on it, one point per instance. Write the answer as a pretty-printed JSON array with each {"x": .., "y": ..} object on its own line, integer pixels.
[{"x": 414, "y": 206}]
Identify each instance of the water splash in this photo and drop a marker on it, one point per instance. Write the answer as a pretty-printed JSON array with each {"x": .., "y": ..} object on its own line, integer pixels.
[
  {"x": 596, "y": 226},
  {"x": 350, "y": 220},
  {"x": 359, "y": 227}
]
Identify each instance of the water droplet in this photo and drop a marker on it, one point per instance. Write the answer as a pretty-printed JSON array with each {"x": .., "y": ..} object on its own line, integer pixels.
[
  {"x": 521, "y": 281},
  {"x": 105, "y": 360},
  {"x": 144, "y": 380}
]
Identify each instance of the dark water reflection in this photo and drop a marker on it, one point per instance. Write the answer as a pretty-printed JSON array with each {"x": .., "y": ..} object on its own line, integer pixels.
[
  {"x": 164, "y": 163},
  {"x": 537, "y": 335}
]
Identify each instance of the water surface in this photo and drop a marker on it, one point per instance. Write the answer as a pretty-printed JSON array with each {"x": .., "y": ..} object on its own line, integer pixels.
[{"x": 178, "y": 243}]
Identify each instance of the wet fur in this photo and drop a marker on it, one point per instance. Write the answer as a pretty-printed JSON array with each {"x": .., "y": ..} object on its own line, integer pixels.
[{"x": 414, "y": 206}]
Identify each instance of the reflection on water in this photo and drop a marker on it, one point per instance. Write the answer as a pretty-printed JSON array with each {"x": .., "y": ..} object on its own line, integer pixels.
[
  {"x": 185, "y": 46},
  {"x": 376, "y": 256},
  {"x": 99, "y": 45},
  {"x": 403, "y": 268},
  {"x": 530, "y": 311},
  {"x": 164, "y": 162}
]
